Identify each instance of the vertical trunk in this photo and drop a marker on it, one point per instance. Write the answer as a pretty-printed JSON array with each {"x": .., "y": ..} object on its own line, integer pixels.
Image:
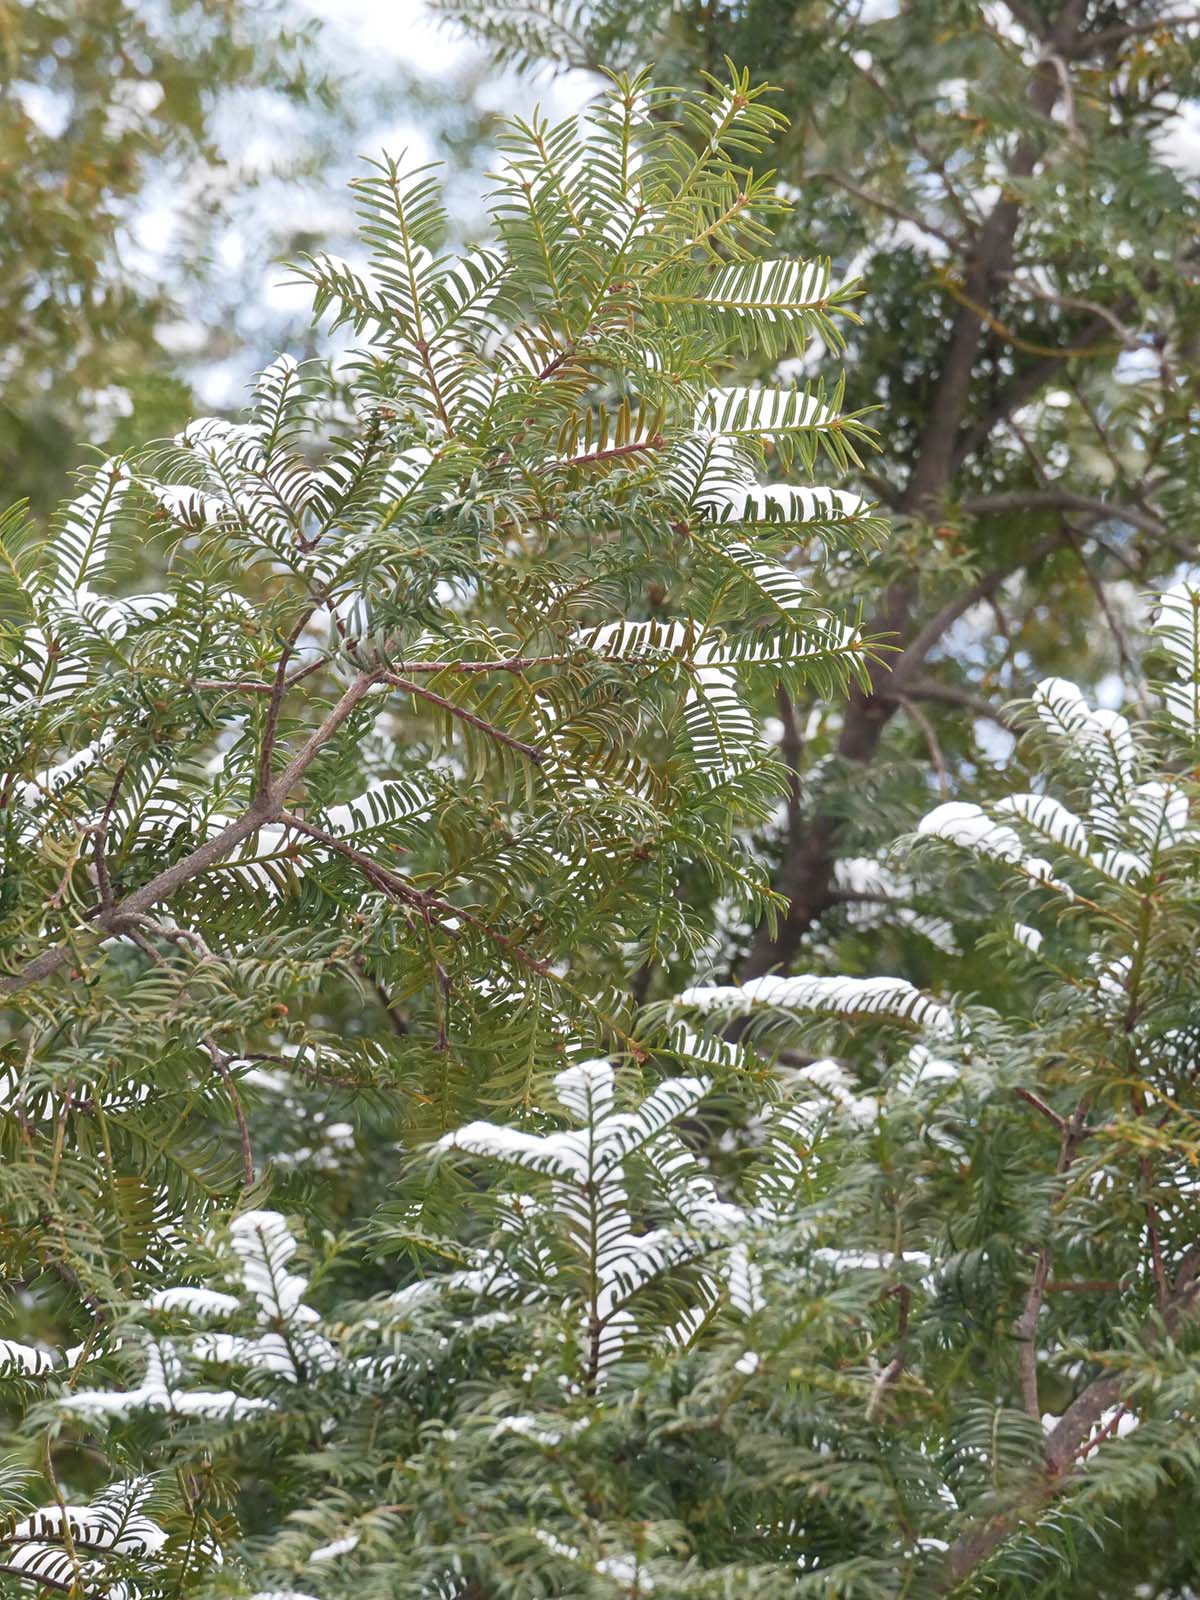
[{"x": 806, "y": 876}]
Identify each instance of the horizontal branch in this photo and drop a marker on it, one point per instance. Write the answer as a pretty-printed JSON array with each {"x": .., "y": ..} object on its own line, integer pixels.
[
  {"x": 951, "y": 695},
  {"x": 1060, "y": 500}
]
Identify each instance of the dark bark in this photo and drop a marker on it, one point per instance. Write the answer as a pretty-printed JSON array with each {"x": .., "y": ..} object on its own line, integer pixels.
[{"x": 806, "y": 876}]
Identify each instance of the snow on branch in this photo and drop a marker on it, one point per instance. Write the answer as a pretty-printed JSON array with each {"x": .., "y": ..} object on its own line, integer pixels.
[{"x": 853, "y": 999}]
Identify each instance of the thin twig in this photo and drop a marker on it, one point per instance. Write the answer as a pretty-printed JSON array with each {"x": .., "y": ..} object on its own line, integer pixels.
[
  {"x": 1050, "y": 499},
  {"x": 1073, "y": 1129},
  {"x": 634, "y": 447},
  {"x": 888, "y": 207},
  {"x": 279, "y": 688},
  {"x": 385, "y": 878},
  {"x": 1039, "y": 1104},
  {"x": 220, "y": 1058},
  {"x": 931, "y": 741},
  {"x": 529, "y": 751},
  {"x": 952, "y": 695},
  {"x": 221, "y": 1062}
]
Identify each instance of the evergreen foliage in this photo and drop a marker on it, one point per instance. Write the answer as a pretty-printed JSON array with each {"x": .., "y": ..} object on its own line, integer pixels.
[
  {"x": 399, "y": 1197},
  {"x": 108, "y": 111},
  {"x": 1015, "y": 181}
]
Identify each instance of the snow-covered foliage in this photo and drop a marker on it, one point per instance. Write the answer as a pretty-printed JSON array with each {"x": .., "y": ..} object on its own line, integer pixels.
[
  {"x": 109, "y": 1547},
  {"x": 584, "y": 1241},
  {"x": 396, "y": 1185},
  {"x": 284, "y": 1340}
]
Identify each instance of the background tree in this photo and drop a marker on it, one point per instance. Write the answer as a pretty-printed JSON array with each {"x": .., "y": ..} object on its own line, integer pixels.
[
  {"x": 101, "y": 104},
  {"x": 157, "y": 166},
  {"x": 1016, "y": 184}
]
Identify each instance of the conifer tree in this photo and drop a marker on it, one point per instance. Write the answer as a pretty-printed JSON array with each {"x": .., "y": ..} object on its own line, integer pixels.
[
  {"x": 371, "y": 1227},
  {"x": 438, "y": 691},
  {"x": 1016, "y": 182}
]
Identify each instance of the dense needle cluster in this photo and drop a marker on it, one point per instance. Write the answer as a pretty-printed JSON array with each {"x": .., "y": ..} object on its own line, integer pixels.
[{"x": 372, "y": 1225}]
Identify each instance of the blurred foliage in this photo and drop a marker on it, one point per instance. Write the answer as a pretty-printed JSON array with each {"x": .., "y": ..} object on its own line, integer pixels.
[
  {"x": 158, "y": 164},
  {"x": 102, "y": 104}
]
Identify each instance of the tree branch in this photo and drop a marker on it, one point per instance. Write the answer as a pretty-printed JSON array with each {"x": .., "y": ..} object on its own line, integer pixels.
[
  {"x": 264, "y": 808},
  {"x": 529, "y": 751},
  {"x": 426, "y": 904},
  {"x": 1022, "y": 389},
  {"x": 951, "y": 694},
  {"x": 1073, "y": 1130},
  {"x": 635, "y": 447},
  {"x": 1059, "y": 500}
]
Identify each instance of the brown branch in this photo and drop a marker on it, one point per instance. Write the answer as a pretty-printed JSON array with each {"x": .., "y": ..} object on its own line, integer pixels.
[
  {"x": 931, "y": 160},
  {"x": 952, "y": 695},
  {"x": 1106, "y": 1432},
  {"x": 931, "y": 632},
  {"x": 790, "y": 747},
  {"x": 1065, "y": 1440},
  {"x": 654, "y": 442},
  {"x": 806, "y": 877},
  {"x": 1025, "y": 1329},
  {"x": 931, "y": 742},
  {"x": 1070, "y": 302},
  {"x": 517, "y": 664},
  {"x": 382, "y": 877},
  {"x": 1066, "y": 1437},
  {"x": 1156, "y": 1255},
  {"x": 385, "y": 878},
  {"x": 100, "y": 834},
  {"x": 221, "y": 1062},
  {"x": 279, "y": 688},
  {"x": 1059, "y": 500},
  {"x": 253, "y": 685},
  {"x": 1105, "y": 38},
  {"x": 263, "y": 809},
  {"x": 1023, "y": 387},
  {"x": 892, "y": 1373},
  {"x": 886, "y": 1380},
  {"x": 1039, "y": 1104},
  {"x": 529, "y": 751},
  {"x": 232, "y": 685}
]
